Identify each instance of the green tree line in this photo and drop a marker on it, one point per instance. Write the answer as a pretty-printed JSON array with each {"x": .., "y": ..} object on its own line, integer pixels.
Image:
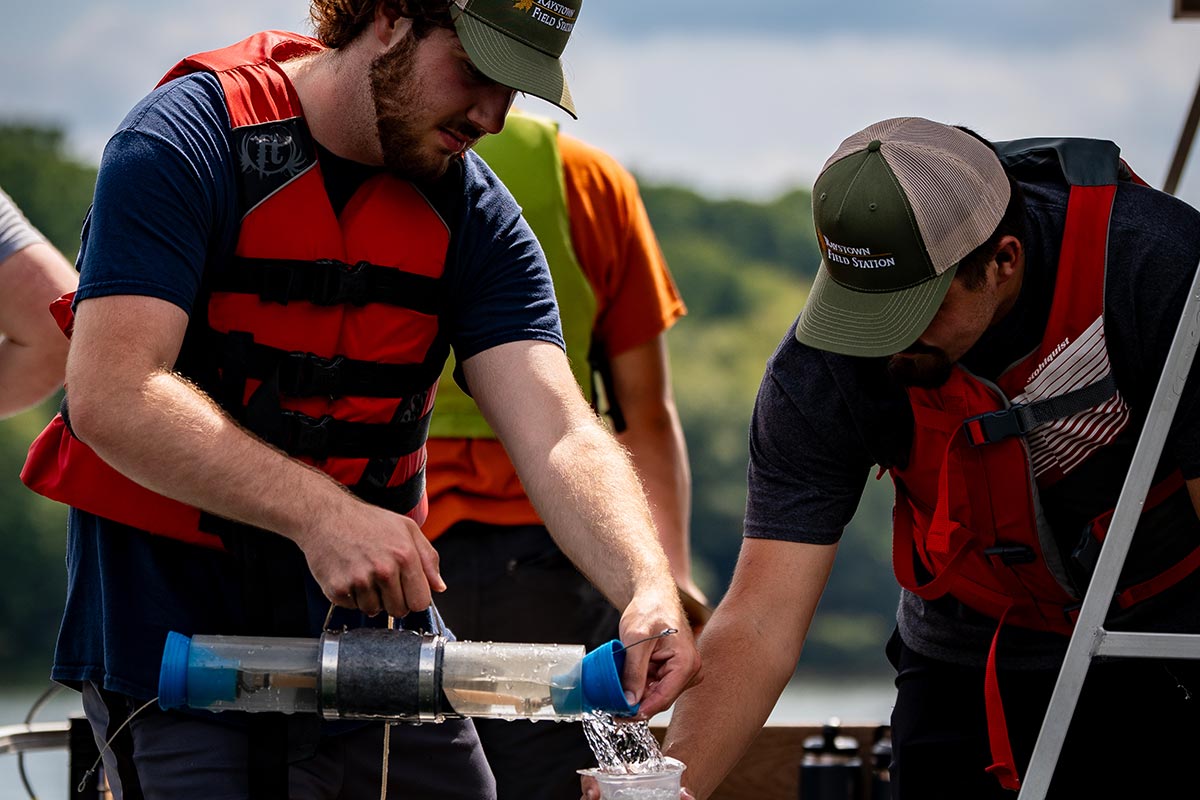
[{"x": 743, "y": 268}]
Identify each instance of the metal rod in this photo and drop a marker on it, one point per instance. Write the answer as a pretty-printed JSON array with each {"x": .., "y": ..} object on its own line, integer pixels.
[
  {"x": 1185, "y": 145},
  {"x": 1118, "y": 644}
]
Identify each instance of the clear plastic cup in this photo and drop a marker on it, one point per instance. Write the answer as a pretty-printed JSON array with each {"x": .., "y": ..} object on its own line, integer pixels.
[{"x": 663, "y": 784}]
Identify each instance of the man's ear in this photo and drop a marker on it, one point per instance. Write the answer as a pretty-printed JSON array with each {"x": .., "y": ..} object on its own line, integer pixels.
[
  {"x": 1009, "y": 258},
  {"x": 388, "y": 18}
]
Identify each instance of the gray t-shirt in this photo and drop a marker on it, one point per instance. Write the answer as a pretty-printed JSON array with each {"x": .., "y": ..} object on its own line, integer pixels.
[
  {"x": 822, "y": 421},
  {"x": 15, "y": 231}
]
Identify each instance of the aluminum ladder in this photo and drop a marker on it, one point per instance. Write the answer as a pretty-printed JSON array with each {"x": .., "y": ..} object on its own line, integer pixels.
[{"x": 1090, "y": 639}]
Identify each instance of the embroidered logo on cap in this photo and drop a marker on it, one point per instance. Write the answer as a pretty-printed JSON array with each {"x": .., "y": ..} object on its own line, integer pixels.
[
  {"x": 549, "y": 13},
  {"x": 858, "y": 257}
]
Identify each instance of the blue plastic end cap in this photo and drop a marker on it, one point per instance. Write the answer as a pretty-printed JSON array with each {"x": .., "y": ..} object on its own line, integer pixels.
[
  {"x": 601, "y": 680},
  {"x": 172, "y": 676}
]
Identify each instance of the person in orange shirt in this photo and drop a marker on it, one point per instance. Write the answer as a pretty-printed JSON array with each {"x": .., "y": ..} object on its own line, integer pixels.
[{"x": 507, "y": 580}]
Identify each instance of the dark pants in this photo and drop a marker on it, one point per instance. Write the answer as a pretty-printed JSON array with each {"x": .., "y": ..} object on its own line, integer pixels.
[
  {"x": 1135, "y": 731},
  {"x": 172, "y": 756},
  {"x": 513, "y": 584}
]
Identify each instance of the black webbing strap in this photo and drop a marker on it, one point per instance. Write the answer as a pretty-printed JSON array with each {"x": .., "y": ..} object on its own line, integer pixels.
[
  {"x": 300, "y": 374},
  {"x": 328, "y": 282},
  {"x": 301, "y": 435},
  {"x": 401, "y": 499},
  {"x": 1019, "y": 420}
]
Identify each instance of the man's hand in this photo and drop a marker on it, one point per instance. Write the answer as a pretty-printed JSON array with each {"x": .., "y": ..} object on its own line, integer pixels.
[
  {"x": 656, "y": 672},
  {"x": 371, "y": 559}
]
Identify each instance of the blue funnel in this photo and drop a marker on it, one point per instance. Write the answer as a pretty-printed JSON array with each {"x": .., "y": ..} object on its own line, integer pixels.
[
  {"x": 599, "y": 685},
  {"x": 602, "y": 690}
]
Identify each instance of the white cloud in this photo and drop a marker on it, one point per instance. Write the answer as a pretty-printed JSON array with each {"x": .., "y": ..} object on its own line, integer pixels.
[
  {"x": 755, "y": 114},
  {"x": 731, "y": 112}
]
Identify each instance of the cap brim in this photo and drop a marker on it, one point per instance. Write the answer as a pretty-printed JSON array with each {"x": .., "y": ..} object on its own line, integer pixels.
[
  {"x": 512, "y": 63},
  {"x": 869, "y": 324}
]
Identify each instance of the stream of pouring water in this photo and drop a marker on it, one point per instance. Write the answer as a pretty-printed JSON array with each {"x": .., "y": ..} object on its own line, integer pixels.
[{"x": 622, "y": 746}]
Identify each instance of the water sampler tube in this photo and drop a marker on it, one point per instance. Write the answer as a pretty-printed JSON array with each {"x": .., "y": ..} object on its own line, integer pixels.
[{"x": 396, "y": 675}]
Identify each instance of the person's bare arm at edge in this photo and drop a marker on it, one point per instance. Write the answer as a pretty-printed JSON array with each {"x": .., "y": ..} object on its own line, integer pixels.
[
  {"x": 161, "y": 431},
  {"x": 750, "y": 648},
  {"x": 582, "y": 484},
  {"x": 654, "y": 437},
  {"x": 33, "y": 351}
]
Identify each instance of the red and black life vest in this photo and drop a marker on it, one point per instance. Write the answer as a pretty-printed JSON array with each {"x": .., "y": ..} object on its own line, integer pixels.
[
  {"x": 320, "y": 334},
  {"x": 968, "y": 504}
]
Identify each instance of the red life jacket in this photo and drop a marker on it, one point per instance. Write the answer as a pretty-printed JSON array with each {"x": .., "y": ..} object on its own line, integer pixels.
[
  {"x": 320, "y": 334},
  {"x": 967, "y": 504}
]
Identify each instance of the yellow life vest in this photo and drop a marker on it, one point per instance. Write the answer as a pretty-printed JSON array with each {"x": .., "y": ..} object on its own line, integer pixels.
[{"x": 528, "y": 161}]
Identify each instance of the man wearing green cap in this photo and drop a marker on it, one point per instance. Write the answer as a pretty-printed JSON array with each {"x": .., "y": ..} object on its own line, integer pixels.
[
  {"x": 287, "y": 238},
  {"x": 988, "y": 324}
]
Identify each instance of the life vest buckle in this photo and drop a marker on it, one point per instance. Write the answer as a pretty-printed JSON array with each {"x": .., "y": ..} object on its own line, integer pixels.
[
  {"x": 338, "y": 282},
  {"x": 307, "y": 374},
  {"x": 995, "y": 426},
  {"x": 1011, "y": 554},
  {"x": 305, "y": 436}
]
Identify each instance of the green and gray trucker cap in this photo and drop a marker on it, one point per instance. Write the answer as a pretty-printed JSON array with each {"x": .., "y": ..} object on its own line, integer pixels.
[
  {"x": 519, "y": 43},
  {"x": 896, "y": 208}
]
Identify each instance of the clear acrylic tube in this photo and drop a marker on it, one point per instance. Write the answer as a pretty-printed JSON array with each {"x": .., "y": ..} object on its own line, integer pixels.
[{"x": 513, "y": 681}]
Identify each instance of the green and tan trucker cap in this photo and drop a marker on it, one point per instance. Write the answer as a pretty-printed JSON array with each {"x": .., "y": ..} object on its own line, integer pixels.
[
  {"x": 896, "y": 208},
  {"x": 519, "y": 43}
]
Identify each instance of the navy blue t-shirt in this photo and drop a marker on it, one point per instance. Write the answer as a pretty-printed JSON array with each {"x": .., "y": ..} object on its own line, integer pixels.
[
  {"x": 823, "y": 421},
  {"x": 165, "y": 210}
]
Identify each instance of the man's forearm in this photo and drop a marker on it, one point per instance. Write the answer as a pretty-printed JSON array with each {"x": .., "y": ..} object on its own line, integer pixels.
[
  {"x": 713, "y": 724},
  {"x": 33, "y": 351},
  {"x": 29, "y": 374},
  {"x": 653, "y": 435},
  {"x": 660, "y": 458},
  {"x": 591, "y": 501},
  {"x": 750, "y": 648}
]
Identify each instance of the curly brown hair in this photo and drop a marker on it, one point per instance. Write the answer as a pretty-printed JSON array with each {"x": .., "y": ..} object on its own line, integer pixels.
[{"x": 338, "y": 22}]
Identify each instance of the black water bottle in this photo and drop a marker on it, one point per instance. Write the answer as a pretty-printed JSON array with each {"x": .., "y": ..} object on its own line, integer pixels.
[
  {"x": 881, "y": 764},
  {"x": 831, "y": 769}
]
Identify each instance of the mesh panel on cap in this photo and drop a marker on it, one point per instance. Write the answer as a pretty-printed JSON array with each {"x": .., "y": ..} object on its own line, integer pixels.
[
  {"x": 955, "y": 184},
  {"x": 880, "y": 130}
]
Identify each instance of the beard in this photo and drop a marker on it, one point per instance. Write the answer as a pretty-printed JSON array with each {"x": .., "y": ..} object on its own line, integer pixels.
[
  {"x": 398, "y": 103},
  {"x": 920, "y": 366}
]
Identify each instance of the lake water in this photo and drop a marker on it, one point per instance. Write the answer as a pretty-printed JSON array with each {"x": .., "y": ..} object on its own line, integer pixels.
[{"x": 865, "y": 701}]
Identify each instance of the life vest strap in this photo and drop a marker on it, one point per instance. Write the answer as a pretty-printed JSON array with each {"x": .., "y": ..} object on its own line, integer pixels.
[
  {"x": 1160, "y": 582},
  {"x": 1004, "y": 765},
  {"x": 1087, "y": 554},
  {"x": 300, "y": 374},
  {"x": 1020, "y": 419},
  {"x": 329, "y": 282},
  {"x": 301, "y": 435},
  {"x": 401, "y": 499}
]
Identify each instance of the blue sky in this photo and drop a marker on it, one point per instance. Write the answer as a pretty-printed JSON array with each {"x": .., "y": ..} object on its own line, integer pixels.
[{"x": 739, "y": 97}]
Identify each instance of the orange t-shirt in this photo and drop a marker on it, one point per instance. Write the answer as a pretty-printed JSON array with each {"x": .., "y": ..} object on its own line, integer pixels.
[{"x": 636, "y": 300}]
